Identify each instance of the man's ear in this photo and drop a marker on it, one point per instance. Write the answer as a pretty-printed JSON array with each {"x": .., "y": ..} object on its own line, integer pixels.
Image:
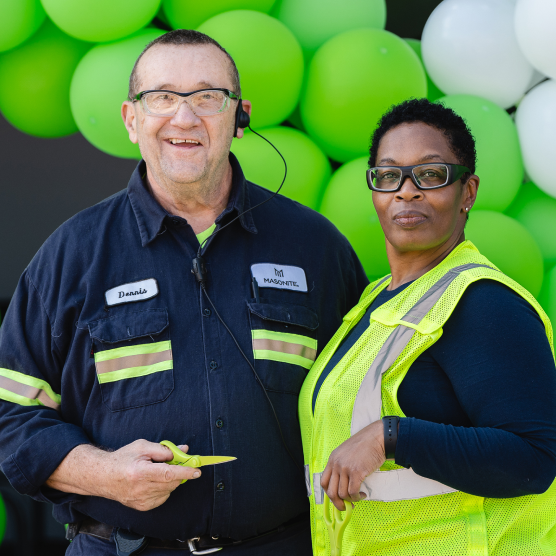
[
  {"x": 247, "y": 106},
  {"x": 130, "y": 120}
]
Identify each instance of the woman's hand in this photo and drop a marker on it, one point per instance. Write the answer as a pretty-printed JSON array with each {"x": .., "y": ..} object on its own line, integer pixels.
[{"x": 351, "y": 462}]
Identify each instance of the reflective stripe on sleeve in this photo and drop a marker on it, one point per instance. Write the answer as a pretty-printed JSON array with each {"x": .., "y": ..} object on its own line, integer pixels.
[
  {"x": 27, "y": 390},
  {"x": 284, "y": 347},
  {"x": 134, "y": 361}
]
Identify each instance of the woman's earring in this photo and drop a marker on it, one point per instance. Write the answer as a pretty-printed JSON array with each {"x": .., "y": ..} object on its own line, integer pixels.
[{"x": 466, "y": 209}]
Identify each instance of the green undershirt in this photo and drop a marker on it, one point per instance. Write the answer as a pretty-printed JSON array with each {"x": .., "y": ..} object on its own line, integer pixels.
[{"x": 203, "y": 235}]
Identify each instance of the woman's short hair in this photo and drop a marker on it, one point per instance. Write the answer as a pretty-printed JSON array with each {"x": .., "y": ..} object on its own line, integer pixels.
[{"x": 460, "y": 139}]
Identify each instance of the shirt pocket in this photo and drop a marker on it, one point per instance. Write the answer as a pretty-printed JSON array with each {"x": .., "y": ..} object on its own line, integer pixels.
[
  {"x": 133, "y": 358},
  {"x": 284, "y": 338}
]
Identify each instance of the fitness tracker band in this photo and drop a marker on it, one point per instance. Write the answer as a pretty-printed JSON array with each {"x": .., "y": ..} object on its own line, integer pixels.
[{"x": 390, "y": 424}]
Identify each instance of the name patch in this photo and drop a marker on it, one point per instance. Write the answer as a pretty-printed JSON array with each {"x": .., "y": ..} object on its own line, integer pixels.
[
  {"x": 134, "y": 291},
  {"x": 279, "y": 276}
]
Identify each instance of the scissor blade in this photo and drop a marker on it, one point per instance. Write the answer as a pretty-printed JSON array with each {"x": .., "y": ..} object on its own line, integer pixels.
[{"x": 214, "y": 460}]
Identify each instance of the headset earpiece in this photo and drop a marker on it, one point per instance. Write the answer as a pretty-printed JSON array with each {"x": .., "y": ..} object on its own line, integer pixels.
[{"x": 242, "y": 117}]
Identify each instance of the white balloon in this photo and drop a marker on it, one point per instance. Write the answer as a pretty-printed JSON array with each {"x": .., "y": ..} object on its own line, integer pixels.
[
  {"x": 536, "y": 125},
  {"x": 535, "y": 23},
  {"x": 470, "y": 47}
]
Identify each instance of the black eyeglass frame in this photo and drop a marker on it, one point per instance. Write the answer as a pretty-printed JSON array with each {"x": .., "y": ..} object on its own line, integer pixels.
[
  {"x": 455, "y": 172},
  {"x": 230, "y": 94}
]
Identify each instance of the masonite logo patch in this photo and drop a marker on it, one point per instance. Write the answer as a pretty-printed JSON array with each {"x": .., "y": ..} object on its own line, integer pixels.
[
  {"x": 134, "y": 291},
  {"x": 279, "y": 276}
]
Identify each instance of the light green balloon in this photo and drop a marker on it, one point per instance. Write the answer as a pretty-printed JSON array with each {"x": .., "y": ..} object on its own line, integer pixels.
[
  {"x": 35, "y": 81},
  {"x": 101, "y": 20},
  {"x": 269, "y": 60},
  {"x": 313, "y": 22},
  {"x": 348, "y": 203},
  {"x": 434, "y": 92},
  {"x": 3, "y": 519},
  {"x": 537, "y": 212},
  {"x": 547, "y": 297},
  {"x": 508, "y": 244},
  {"x": 499, "y": 161},
  {"x": 189, "y": 14},
  {"x": 98, "y": 88},
  {"x": 352, "y": 81},
  {"x": 308, "y": 168},
  {"x": 19, "y": 19}
]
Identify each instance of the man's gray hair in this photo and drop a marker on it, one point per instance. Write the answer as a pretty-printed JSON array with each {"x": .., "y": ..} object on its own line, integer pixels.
[{"x": 183, "y": 37}]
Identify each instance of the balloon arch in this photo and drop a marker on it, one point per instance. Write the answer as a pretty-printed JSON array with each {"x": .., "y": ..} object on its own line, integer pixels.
[{"x": 319, "y": 78}]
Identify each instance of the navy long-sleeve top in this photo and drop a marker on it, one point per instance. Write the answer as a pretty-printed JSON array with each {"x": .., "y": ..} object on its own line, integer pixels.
[
  {"x": 480, "y": 403},
  {"x": 109, "y": 339}
]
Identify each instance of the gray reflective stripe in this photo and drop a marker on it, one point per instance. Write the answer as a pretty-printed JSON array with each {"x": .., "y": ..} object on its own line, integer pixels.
[
  {"x": 26, "y": 391},
  {"x": 317, "y": 489},
  {"x": 381, "y": 282},
  {"x": 368, "y": 402},
  {"x": 400, "y": 484},
  {"x": 307, "y": 479},
  {"x": 132, "y": 361},
  {"x": 417, "y": 313},
  {"x": 285, "y": 347},
  {"x": 366, "y": 409}
]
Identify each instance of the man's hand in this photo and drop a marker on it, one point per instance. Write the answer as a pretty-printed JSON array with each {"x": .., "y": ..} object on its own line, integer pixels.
[
  {"x": 351, "y": 462},
  {"x": 135, "y": 475}
]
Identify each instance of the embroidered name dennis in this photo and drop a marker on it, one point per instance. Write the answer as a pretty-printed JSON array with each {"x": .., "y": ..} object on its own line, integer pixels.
[
  {"x": 140, "y": 291},
  {"x": 281, "y": 282}
]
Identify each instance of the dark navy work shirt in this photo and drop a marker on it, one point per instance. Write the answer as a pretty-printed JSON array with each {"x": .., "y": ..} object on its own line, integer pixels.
[
  {"x": 481, "y": 401},
  {"x": 111, "y": 292}
]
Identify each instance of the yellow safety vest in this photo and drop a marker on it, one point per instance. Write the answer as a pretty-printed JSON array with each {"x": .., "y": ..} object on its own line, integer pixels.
[{"x": 406, "y": 514}]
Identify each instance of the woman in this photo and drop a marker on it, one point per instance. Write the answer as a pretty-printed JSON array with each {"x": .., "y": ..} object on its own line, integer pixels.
[{"x": 458, "y": 357}]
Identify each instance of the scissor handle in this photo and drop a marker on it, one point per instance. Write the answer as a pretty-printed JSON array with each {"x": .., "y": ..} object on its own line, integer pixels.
[
  {"x": 181, "y": 458},
  {"x": 336, "y": 524}
]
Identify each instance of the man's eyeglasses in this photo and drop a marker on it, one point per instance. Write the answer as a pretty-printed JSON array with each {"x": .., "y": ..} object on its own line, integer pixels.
[
  {"x": 204, "y": 102},
  {"x": 424, "y": 176}
]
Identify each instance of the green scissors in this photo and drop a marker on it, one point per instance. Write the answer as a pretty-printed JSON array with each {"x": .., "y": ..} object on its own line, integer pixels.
[
  {"x": 336, "y": 525},
  {"x": 187, "y": 460}
]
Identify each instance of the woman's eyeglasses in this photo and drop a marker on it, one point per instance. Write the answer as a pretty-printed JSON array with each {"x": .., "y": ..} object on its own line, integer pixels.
[{"x": 424, "y": 176}]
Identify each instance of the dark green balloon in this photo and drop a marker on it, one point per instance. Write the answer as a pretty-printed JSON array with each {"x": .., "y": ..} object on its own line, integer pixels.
[
  {"x": 348, "y": 203},
  {"x": 508, "y": 244},
  {"x": 3, "y": 519},
  {"x": 433, "y": 91},
  {"x": 35, "y": 81}
]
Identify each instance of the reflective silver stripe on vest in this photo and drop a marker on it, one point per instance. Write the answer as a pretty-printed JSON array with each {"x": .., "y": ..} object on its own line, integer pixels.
[
  {"x": 398, "y": 484},
  {"x": 307, "y": 479},
  {"x": 317, "y": 489}
]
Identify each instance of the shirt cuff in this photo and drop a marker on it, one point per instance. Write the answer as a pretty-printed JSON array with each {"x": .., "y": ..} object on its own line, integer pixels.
[
  {"x": 403, "y": 443},
  {"x": 37, "y": 458}
]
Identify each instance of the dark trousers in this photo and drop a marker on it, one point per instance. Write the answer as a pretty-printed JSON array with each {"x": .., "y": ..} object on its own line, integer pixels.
[{"x": 294, "y": 541}]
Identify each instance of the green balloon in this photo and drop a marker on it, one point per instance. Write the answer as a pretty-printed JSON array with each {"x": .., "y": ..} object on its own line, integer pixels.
[
  {"x": 269, "y": 60},
  {"x": 434, "y": 92},
  {"x": 35, "y": 80},
  {"x": 101, "y": 20},
  {"x": 19, "y": 19},
  {"x": 537, "y": 212},
  {"x": 506, "y": 243},
  {"x": 348, "y": 203},
  {"x": 313, "y": 22},
  {"x": 499, "y": 161},
  {"x": 547, "y": 297},
  {"x": 308, "y": 168},
  {"x": 189, "y": 14},
  {"x": 352, "y": 81},
  {"x": 98, "y": 88},
  {"x": 3, "y": 519}
]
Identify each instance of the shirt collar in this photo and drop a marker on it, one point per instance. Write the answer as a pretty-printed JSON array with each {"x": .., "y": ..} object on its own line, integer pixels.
[{"x": 150, "y": 215}]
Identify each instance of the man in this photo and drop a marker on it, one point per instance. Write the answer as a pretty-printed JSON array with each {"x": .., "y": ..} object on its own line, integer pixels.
[{"x": 111, "y": 344}]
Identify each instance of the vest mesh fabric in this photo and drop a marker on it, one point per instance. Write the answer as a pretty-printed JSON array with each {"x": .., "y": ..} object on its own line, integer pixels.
[{"x": 451, "y": 524}]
